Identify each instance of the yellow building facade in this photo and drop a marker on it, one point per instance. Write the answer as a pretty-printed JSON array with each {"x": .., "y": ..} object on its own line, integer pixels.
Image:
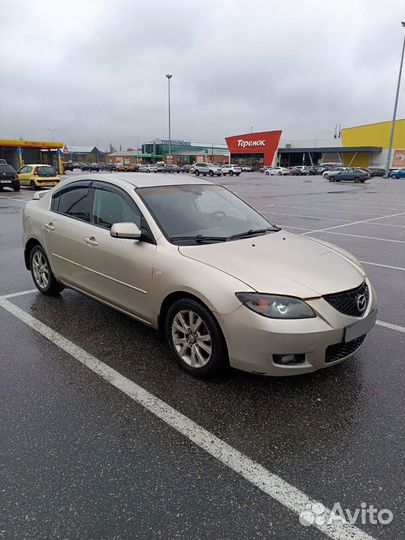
[{"x": 374, "y": 135}]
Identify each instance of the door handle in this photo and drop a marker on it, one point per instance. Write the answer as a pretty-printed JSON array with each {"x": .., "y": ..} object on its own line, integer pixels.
[
  {"x": 49, "y": 226},
  {"x": 91, "y": 241}
]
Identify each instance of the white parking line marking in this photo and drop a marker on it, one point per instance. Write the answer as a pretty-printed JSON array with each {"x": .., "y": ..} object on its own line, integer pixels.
[
  {"x": 290, "y": 227},
  {"x": 344, "y": 202},
  {"x": 271, "y": 484},
  {"x": 12, "y": 199},
  {"x": 383, "y": 265},
  {"x": 360, "y": 236},
  {"x": 340, "y": 211},
  {"x": 391, "y": 326},
  {"x": 302, "y": 216},
  {"x": 355, "y": 223},
  {"x": 13, "y": 295}
]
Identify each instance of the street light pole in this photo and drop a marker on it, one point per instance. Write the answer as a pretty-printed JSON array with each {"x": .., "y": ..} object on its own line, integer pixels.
[
  {"x": 52, "y": 130},
  {"x": 170, "y": 134},
  {"x": 387, "y": 165}
]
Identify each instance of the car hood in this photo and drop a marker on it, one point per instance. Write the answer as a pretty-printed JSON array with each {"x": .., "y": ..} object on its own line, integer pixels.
[{"x": 282, "y": 263}]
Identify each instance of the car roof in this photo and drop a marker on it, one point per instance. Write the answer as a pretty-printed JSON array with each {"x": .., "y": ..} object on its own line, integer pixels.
[
  {"x": 140, "y": 179},
  {"x": 37, "y": 165}
]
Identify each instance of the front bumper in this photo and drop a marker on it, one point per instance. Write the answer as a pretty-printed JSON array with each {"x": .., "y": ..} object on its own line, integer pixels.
[{"x": 252, "y": 339}]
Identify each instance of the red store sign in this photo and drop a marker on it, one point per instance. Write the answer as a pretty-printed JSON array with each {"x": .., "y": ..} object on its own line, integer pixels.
[{"x": 264, "y": 142}]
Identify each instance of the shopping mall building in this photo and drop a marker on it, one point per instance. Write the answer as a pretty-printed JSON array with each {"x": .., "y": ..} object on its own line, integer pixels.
[{"x": 359, "y": 146}]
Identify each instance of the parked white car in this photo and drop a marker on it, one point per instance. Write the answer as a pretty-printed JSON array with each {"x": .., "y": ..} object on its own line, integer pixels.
[
  {"x": 231, "y": 170},
  {"x": 147, "y": 168},
  {"x": 280, "y": 171}
]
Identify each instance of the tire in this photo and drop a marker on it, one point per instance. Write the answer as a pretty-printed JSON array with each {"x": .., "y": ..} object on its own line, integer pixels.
[
  {"x": 16, "y": 187},
  {"x": 224, "y": 173},
  {"x": 44, "y": 280},
  {"x": 394, "y": 176},
  {"x": 237, "y": 174},
  {"x": 211, "y": 173},
  {"x": 331, "y": 179},
  {"x": 230, "y": 173},
  {"x": 356, "y": 179},
  {"x": 197, "y": 172},
  {"x": 279, "y": 173},
  {"x": 211, "y": 352},
  {"x": 33, "y": 185}
]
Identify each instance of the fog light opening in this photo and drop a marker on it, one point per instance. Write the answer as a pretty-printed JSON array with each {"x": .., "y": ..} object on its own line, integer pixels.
[{"x": 288, "y": 359}]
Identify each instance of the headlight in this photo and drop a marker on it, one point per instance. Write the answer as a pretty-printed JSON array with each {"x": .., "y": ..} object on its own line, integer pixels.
[{"x": 276, "y": 307}]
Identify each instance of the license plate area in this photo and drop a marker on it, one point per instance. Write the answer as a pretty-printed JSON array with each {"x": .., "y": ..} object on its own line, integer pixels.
[{"x": 360, "y": 328}]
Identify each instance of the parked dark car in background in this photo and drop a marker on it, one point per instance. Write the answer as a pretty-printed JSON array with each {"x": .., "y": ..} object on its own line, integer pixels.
[
  {"x": 8, "y": 177},
  {"x": 171, "y": 168},
  {"x": 316, "y": 169},
  {"x": 353, "y": 175},
  {"x": 377, "y": 171}
]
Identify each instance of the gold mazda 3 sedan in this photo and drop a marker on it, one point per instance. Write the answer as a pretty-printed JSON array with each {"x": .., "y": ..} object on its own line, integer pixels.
[{"x": 221, "y": 284}]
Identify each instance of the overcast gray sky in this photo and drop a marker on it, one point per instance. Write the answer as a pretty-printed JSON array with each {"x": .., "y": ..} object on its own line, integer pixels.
[{"x": 94, "y": 70}]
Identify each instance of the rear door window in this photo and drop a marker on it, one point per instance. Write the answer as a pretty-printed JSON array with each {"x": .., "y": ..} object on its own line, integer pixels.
[{"x": 73, "y": 201}]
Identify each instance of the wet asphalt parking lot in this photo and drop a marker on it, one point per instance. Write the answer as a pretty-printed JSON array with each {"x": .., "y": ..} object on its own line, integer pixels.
[{"x": 82, "y": 458}]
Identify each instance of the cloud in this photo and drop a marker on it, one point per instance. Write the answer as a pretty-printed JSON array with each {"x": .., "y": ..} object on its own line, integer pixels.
[{"x": 95, "y": 70}]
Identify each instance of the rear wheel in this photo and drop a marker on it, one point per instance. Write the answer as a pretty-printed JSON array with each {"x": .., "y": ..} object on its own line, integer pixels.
[
  {"x": 42, "y": 274},
  {"x": 195, "y": 338},
  {"x": 230, "y": 173},
  {"x": 211, "y": 173}
]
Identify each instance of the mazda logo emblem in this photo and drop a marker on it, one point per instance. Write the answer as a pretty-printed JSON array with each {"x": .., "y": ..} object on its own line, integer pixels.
[{"x": 361, "y": 302}]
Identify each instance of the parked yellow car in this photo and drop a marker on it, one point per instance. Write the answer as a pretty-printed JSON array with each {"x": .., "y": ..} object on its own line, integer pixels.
[{"x": 37, "y": 175}]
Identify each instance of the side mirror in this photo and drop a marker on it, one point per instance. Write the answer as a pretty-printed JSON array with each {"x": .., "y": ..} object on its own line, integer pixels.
[{"x": 125, "y": 230}]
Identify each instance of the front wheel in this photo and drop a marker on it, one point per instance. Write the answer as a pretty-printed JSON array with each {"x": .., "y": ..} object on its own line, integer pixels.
[
  {"x": 195, "y": 339},
  {"x": 230, "y": 173},
  {"x": 33, "y": 185},
  {"x": 41, "y": 272},
  {"x": 16, "y": 187},
  {"x": 197, "y": 172},
  {"x": 211, "y": 173}
]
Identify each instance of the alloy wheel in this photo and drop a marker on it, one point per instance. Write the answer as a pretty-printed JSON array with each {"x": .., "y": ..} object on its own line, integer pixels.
[
  {"x": 40, "y": 269},
  {"x": 191, "y": 338}
]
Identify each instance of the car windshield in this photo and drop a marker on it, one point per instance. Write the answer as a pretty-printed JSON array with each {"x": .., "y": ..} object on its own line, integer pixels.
[{"x": 195, "y": 214}]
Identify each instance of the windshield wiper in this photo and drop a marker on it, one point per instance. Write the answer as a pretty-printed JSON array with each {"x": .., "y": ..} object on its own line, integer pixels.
[
  {"x": 253, "y": 232},
  {"x": 199, "y": 238}
]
